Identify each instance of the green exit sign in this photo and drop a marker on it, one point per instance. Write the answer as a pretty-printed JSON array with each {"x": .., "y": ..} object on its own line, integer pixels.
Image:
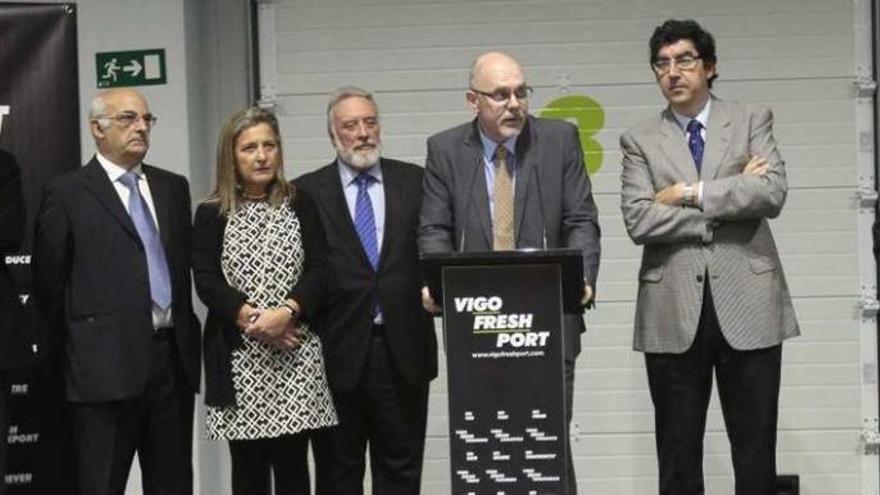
[{"x": 132, "y": 68}]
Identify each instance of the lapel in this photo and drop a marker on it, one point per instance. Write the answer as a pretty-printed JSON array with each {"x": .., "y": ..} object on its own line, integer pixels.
[
  {"x": 676, "y": 148},
  {"x": 526, "y": 167},
  {"x": 393, "y": 207},
  {"x": 477, "y": 184},
  {"x": 337, "y": 209},
  {"x": 99, "y": 184},
  {"x": 718, "y": 131},
  {"x": 160, "y": 190}
]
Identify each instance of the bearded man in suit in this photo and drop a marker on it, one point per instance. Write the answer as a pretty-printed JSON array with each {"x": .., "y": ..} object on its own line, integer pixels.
[
  {"x": 380, "y": 347},
  {"x": 699, "y": 183}
]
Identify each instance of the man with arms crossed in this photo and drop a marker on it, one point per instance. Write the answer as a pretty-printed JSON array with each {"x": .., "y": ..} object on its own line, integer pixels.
[
  {"x": 507, "y": 180},
  {"x": 112, "y": 277},
  {"x": 699, "y": 183}
]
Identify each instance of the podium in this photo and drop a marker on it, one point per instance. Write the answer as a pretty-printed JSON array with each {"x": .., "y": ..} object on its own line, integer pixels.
[{"x": 502, "y": 327}]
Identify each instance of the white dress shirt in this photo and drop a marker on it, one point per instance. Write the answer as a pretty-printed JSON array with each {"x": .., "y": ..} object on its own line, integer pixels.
[
  {"x": 161, "y": 317},
  {"x": 702, "y": 118}
]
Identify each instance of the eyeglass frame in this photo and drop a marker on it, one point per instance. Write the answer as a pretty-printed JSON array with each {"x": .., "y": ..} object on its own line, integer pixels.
[
  {"x": 128, "y": 119},
  {"x": 690, "y": 63},
  {"x": 528, "y": 90}
]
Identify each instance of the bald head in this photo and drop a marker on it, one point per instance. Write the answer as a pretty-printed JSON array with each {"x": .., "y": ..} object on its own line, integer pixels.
[
  {"x": 493, "y": 65},
  {"x": 498, "y": 95},
  {"x": 120, "y": 121}
]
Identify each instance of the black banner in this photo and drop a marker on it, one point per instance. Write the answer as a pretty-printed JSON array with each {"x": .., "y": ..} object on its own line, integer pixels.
[
  {"x": 39, "y": 125},
  {"x": 503, "y": 327}
]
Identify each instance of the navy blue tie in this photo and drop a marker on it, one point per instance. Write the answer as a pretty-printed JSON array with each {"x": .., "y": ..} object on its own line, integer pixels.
[
  {"x": 695, "y": 143},
  {"x": 157, "y": 264},
  {"x": 365, "y": 221}
]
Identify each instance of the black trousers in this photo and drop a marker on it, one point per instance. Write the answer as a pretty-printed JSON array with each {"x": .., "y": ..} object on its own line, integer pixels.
[
  {"x": 572, "y": 347},
  {"x": 284, "y": 457},
  {"x": 748, "y": 386},
  {"x": 157, "y": 424},
  {"x": 388, "y": 415}
]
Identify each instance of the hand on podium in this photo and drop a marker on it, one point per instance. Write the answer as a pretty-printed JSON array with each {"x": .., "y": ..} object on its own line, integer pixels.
[
  {"x": 428, "y": 302},
  {"x": 588, "y": 295}
]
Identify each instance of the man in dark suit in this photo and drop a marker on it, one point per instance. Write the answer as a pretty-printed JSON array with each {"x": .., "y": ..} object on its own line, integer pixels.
[
  {"x": 379, "y": 343},
  {"x": 699, "y": 182},
  {"x": 112, "y": 277},
  {"x": 507, "y": 180},
  {"x": 12, "y": 218}
]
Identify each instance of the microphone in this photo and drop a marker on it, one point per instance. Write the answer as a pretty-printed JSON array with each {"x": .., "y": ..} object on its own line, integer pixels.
[
  {"x": 467, "y": 206},
  {"x": 541, "y": 206}
]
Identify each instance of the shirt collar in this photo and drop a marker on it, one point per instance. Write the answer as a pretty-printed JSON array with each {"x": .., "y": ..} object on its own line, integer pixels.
[
  {"x": 114, "y": 171},
  {"x": 489, "y": 145},
  {"x": 348, "y": 173},
  {"x": 702, "y": 117}
]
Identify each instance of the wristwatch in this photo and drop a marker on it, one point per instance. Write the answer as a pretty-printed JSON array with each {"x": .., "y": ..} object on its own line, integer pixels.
[{"x": 689, "y": 195}]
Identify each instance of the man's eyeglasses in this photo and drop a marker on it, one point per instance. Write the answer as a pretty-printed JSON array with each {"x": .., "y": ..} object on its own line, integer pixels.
[
  {"x": 129, "y": 119},
  {"x": 683, "y": 62},
  {"x": 503, "y": 95}
]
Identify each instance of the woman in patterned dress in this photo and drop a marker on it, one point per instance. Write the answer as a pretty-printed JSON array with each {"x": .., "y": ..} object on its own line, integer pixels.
[{"x": 258, "y": 259}]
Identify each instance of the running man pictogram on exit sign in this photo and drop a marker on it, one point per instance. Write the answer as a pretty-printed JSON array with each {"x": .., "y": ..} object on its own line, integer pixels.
[{"x": 131, "y": 68}]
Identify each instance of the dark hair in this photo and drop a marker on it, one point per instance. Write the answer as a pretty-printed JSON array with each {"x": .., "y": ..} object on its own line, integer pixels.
[{"x": 673, "y": 31}]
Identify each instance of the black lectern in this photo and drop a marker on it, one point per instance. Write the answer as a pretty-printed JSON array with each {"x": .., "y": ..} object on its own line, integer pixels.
[{"x": 502, "y": 325}]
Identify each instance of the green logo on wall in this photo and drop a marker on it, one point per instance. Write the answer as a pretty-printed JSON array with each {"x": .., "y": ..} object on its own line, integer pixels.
[{"x": 589, "y": 117}]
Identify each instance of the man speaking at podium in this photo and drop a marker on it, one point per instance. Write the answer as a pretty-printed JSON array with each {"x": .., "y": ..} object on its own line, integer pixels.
[{"x": 507, "y": 180}]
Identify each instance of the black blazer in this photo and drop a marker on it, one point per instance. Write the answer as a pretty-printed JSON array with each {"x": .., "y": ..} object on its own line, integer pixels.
[
  {"x": 345, "y": 324},
  {"x": 12, "y": 218},
  {"x": 223, "y": 302},
  {"x": 91, "y": 282}
]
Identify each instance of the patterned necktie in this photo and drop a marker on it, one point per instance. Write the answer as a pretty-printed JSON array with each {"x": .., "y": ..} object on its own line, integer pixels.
[
  {"x": 502, "y": 203},
  {"x": 365, "y": 221},
  {"x": 695, "y": 143},
  {"x": 157, "y": 264}
]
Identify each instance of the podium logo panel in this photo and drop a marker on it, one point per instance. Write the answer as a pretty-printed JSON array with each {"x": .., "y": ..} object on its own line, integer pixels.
[{"x": 503, "y": 328}]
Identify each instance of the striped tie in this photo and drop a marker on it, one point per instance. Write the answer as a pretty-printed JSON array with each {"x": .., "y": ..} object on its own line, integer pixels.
[{"x": 365, "y": 221}]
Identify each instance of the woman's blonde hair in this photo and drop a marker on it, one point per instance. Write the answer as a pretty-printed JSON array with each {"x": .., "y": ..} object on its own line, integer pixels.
[{"x": 228, "y": 190}]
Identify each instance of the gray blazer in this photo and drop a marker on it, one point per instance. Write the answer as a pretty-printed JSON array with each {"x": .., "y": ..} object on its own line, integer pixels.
[
  {"x": 729, "y": 238},
  {"x": 552, "y": 200}
]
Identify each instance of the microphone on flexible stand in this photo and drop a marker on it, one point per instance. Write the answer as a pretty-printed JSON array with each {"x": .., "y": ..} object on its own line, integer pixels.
[
  {"x": 467, "y": 205},
  {"x": 541, "y": 207}
]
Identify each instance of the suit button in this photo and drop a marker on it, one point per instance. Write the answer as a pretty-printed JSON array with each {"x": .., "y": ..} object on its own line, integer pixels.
[{"x": 700, "y": 279}]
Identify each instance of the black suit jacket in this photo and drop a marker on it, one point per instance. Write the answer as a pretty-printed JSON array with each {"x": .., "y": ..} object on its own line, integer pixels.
[
  {"x": 12, "y": 219},
  {"x": 222, "y": 335},
  {"x": 345, "y": 323},
  {"x": 91, "y": 282},
  {"x": 553, "y": 200}
]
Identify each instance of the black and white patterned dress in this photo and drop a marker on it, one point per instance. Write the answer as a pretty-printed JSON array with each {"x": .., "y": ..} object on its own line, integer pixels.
[{"x": 278, "y": 392}]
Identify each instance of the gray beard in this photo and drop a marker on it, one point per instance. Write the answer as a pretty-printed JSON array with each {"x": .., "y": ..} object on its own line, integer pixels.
[{"x": 360, "y": 159}]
